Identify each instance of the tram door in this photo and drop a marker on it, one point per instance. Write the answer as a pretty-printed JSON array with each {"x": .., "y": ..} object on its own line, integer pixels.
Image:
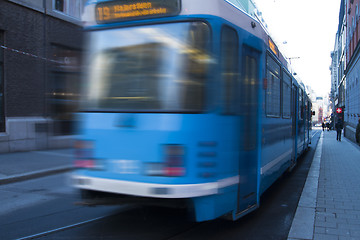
[
  {"x": 294, "y": 121},
  {"x": 248, "y": 163}
]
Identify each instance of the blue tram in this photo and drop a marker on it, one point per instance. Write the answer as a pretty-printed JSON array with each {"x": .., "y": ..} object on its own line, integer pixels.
[{"x": 185, "y": 103}]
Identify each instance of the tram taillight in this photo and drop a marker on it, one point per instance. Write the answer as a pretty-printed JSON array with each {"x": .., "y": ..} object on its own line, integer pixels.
[
  {"x": 173, "y": 164},
  {"x": 84, "y": 156},
  {"x": 174, "y": 160}
]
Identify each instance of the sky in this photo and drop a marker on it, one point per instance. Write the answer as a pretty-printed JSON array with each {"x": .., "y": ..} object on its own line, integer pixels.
[{"x": 309, "y": 28}]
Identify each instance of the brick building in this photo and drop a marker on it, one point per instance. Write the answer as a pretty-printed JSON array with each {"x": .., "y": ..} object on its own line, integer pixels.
[
  {"x": 41, "y": 44},
  {"x": 352, "y": 72}
]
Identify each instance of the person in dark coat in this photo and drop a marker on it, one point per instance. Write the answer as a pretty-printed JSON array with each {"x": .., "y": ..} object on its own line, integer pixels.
[
  {"x": 338, "y": 127},
  {"x": 357, "y": 134},
  {"x": 323, "y": 126}
]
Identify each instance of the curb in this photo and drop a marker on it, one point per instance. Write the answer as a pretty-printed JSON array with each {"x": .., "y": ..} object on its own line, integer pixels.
[
  {"x": 35, "y": 174},
  {"x": 302, "y": 226}
]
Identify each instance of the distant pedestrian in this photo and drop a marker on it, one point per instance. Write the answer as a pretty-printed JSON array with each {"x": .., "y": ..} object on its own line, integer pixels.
[
  {"x": 328, "y": 126},
  {"x": 323, "y": 126},
  {"x": 338, "y": 127},
  {"x": 357, "y": 135}
]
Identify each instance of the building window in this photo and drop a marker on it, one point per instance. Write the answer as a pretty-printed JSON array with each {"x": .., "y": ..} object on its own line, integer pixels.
[
  {"x": 353, "y": 22},
  {"x": 64, "y": 88},
  {"x": 72, "y": 8},
  {"x": 59, "y": 5}
]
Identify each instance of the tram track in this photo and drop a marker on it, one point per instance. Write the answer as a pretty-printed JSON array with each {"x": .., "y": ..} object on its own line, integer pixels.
[
  {"x": 74, "y": 225},
  {"x": 182, "y": 232},
  {"x": 46, "y": 233}
]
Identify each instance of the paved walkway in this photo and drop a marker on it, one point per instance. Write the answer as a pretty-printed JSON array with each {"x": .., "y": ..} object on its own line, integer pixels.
[
  {"x": 329, "y": 207},
  {"x": 26, "y": 165}
]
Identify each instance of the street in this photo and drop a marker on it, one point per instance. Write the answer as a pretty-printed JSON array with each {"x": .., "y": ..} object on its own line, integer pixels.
[{"x": 46, "y": 208}]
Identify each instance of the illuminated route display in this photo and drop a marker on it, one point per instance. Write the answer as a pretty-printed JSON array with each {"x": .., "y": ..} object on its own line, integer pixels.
[
  {"x": 123, "y": 10},
  {"x": 273, "y": 47}
]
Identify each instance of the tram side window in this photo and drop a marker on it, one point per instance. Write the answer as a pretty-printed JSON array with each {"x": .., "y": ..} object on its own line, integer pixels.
[
  {"x": 273, "y": 91},
  {"x": 306, "y": 110},
  {"x": 309, "y": 111},
  {"x": 301, "y": 104},
  {"x": 2, "y": 112},
  {"x": 229, "y": 67},
  {"x": 286, "y": 103}
]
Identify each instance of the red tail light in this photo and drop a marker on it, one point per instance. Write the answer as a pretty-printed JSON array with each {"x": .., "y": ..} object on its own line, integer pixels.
[
  {"x": 174, "y": 171},
  {"x": 174, "y": 161},
  {"x": 84, "y": 163},
  {"x": 84, "y": 154}
]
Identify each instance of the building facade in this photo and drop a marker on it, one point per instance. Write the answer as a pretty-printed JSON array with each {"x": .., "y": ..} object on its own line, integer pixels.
[
  {"x": 41, "y": 43},
  {"x": 352, "y": 72},
  {"x": 338, "y": 63},
  {"x": 345, "y": 68}
]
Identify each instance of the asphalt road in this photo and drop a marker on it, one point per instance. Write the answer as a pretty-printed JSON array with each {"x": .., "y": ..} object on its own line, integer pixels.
[{"x": 44, "y": 208}]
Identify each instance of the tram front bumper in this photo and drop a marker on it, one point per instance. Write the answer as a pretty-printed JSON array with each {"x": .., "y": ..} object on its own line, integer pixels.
[{"x": 152, "y": 189}]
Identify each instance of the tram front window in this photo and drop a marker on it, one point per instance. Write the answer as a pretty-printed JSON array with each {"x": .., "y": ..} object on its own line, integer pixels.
[{"x": 149, "y": 68}]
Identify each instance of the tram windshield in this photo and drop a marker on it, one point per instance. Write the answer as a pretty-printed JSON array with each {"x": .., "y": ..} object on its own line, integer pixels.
[{"x": 160, "y": 68}]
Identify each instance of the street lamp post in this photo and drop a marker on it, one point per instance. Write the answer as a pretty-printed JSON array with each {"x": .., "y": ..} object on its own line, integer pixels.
[
  {"x": 290, "y": 63},
  {"x": 292, "y": 58}
]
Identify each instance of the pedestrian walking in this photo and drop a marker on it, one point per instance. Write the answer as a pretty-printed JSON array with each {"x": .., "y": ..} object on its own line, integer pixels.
[
  {"x": 338, "y": 127},
  {"x": 357, "y": 134},
  {"x": 323, "y": 126}
]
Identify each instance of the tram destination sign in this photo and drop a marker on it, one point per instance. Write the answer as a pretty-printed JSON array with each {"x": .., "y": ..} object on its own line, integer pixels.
[{"x": 124, "y": 10}]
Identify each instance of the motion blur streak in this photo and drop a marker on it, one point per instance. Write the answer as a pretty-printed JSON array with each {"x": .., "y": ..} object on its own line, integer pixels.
[{"x": 193, "y": 106}]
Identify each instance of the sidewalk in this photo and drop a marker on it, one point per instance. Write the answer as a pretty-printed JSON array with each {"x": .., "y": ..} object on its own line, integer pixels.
[
  {"x": 329, "y": 207},
  {"x": 27, "y": 165}
]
